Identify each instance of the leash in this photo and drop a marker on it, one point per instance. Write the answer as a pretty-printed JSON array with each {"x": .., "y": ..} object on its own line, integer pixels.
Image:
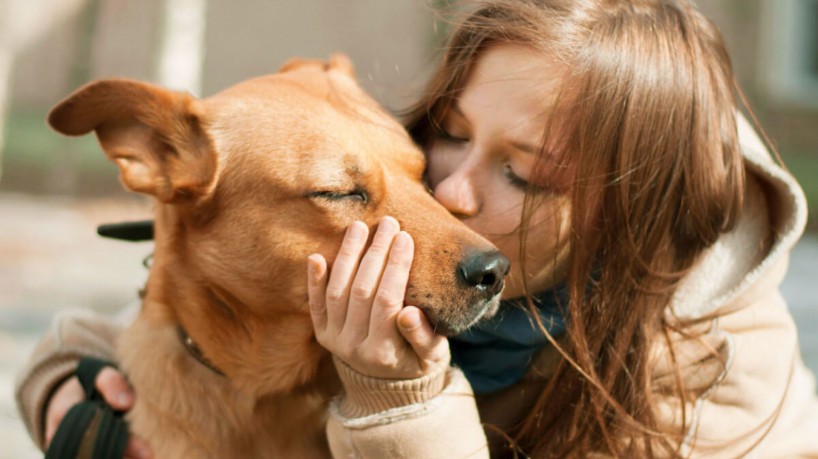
[
  {"x": 128, "y": 231},
  {"x": 91, "y": 429}
]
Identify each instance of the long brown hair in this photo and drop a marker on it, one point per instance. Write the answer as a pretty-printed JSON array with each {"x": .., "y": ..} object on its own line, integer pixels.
[{"x": 647, "y": 119}]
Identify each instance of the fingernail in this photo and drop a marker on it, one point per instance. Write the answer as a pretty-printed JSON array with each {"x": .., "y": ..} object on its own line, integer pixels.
[
  {"x": 410, "y": 320},
  {"x": 401, "y": 240},
  {"x": 312, "y": 264},
  {"x": 123, "y": 398},
  {"x": 388, "y": 223},
  {"x": 356, "y": 230}
]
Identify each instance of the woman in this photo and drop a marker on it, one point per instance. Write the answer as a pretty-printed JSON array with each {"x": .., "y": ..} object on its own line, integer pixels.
[{"x": 596, "y": 143}]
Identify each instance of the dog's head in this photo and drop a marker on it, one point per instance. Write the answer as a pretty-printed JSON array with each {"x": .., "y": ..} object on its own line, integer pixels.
[{"x": 251, "y": 181}]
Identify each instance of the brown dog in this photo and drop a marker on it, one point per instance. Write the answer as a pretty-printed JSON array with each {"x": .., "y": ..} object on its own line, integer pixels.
[{"x": 248, "y": 183}]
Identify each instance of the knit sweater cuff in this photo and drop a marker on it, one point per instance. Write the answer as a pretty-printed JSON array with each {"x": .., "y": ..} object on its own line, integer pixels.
[
  {"x": 35, "y": 391},
  {"x": 365, "y": 395}
]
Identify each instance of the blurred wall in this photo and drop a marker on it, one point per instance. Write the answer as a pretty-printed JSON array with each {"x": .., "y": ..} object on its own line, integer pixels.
[
  {"x": 391, "y": 43},
  {"x": 388, "y": 40},
  {"x": 759, "y": 33},
  {"x": 121, "y": 37}
]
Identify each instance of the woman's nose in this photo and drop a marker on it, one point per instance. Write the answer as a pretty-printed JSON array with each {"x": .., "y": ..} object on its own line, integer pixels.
[{"x": 458, "y": 193}]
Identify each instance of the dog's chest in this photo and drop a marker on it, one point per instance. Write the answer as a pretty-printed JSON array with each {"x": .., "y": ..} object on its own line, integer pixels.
[
  {"x": 184, "y": 409},
  {"x": 271, "y": 433}
]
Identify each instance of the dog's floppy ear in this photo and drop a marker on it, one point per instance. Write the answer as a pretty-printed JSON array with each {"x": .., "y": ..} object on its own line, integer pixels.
[
  {"x": 338, "y": 61},
  {"x": 155, "y": 136},
  {"x": 343, "y": 63}
]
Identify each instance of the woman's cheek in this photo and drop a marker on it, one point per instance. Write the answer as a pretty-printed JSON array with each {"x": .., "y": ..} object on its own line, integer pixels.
[
  {"x": 547, "y": 244},
  {"x": 440, "y": 163}
]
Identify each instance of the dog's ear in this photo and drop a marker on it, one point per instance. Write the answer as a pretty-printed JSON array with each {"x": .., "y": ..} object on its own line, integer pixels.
[
  {"x": 340, "y": 62},
  {"x": 155, "y": 136},
  {"x": 343, "y": 63}
]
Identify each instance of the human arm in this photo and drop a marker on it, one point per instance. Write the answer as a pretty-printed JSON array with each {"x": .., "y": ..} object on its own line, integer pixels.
[
  {"x": 401, "y": 398},
  {"x": 46, "y": 388},
  {"x": 377, "y": 418}
]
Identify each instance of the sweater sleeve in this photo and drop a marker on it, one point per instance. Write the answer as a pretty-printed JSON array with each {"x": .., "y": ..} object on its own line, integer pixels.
[
  {"x": 72, "y": 335},
  {"x": 434, "y": 416}
]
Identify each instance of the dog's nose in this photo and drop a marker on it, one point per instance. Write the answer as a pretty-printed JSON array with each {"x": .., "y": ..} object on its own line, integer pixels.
[{"x": 484, "y": 271}]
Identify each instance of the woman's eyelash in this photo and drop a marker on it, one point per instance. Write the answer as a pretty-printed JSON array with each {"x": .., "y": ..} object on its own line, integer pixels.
[
  {"x": 444, "y": 135},
  {"x": 515, "y": 179}
]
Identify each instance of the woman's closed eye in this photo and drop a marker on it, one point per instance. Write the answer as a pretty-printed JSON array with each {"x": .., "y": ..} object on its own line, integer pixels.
[
  {"x": 445, "y": 136},
  {"x": 515, "y": 180}
]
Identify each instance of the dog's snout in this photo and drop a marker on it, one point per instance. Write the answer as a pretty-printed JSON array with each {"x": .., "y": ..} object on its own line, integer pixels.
[{"x": 484, "y": 271}]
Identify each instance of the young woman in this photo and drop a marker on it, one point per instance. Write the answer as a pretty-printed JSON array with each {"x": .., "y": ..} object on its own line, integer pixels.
[{"x": 597, "y": 144}]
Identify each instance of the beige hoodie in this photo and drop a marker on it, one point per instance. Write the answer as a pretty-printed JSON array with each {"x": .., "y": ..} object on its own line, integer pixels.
[{"x": 762, "y": 403}]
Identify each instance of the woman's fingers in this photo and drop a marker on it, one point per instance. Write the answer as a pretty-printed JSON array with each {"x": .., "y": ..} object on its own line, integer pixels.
[
  {"x": 137, "y": 449},
  {"x": 368, "y": 281},
  {"x": 392, "y": 289},
  {"x": 357, "y": 306},
  {"x": 115, "y": 389},
  {"x": 431, "y": 348},
  {"x": 343, "y": 271},
  {"x": 67, "y": 395},
  {"x": 317, "y": 289}
]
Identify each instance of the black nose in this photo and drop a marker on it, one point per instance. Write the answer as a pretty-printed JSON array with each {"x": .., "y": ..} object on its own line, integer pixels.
[{"x": 484, "y": 271}]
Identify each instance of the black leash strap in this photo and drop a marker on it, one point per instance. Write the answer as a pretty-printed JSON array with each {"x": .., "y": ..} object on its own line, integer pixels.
[
  {"x": 91, "y": 429},
  {"x": 128, "y": 231}
]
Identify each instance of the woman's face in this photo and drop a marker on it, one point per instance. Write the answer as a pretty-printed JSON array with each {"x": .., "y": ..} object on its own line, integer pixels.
[{"x": 482, "y": 160}]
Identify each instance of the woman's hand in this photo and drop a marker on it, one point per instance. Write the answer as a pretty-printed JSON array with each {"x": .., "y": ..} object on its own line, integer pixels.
[
  {"x": 114, "y": 389},
  {"x": 359, "y": 315}
]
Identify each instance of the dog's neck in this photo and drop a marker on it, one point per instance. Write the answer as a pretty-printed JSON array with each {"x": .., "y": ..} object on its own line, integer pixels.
[
  {"x": 246, "y": 352},
  {"x": 253, "y": 351}
]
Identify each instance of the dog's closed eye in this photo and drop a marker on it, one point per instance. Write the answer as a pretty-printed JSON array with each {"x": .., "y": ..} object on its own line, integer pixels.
[{"x": 357, "y": 194}]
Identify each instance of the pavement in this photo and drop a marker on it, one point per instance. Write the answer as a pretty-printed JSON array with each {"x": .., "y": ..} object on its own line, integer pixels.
[{"x": 52, "y": 260}]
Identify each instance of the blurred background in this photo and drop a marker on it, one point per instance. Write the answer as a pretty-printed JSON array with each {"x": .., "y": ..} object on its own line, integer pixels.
[{"x": 54, "y": 191}]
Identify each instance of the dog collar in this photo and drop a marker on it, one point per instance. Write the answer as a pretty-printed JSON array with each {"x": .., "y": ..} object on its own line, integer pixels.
[
  {"x": 195, "y": 351},
  {"x": 143, "y": 231}
]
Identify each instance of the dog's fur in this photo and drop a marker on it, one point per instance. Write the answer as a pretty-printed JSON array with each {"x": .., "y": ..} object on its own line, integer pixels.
[{"x": 248, "y": 183}]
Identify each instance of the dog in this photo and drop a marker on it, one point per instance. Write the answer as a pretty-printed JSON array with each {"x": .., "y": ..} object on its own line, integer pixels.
[{"x": 247, "y": 183}]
